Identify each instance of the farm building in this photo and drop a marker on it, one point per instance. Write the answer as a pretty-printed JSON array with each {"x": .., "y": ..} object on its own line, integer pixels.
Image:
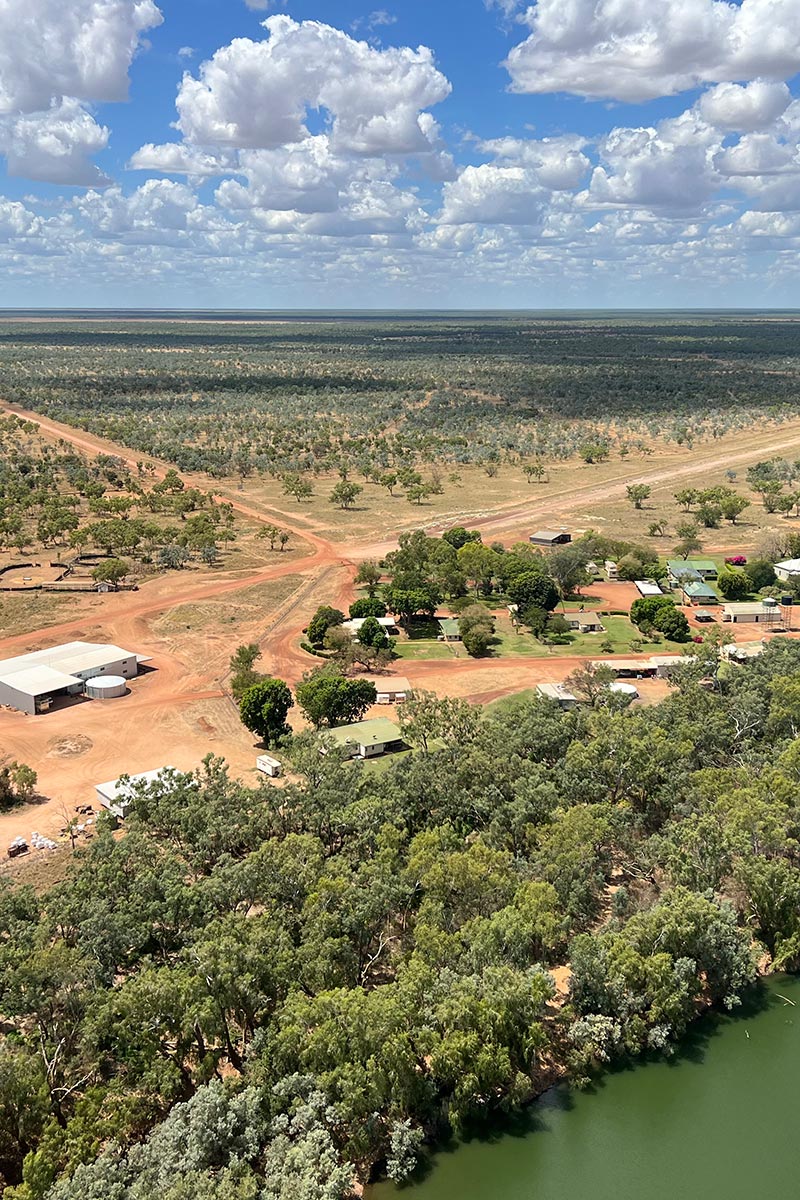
[
  {"x": 696, "y": 591},
  {"x": 118, "y": 795},
  {"x": 550, "y": 537},
  {"x": 557, "y": 691},
  {"x": 584, "y": 622},
  {"x": 666, "y": 664},
  {"x": 31, "y": 682},
  {"x": 624, "y": 668},
  {"x": 702, "y": 614},
  {"x": 760, "y": 612},
  {"x": 647, "y": 587},
  {"x": 448, "y": 630},
  {"x": 391, "y": 689},
  {"x": 789, "y": 569},
  {"x": 354, "y": 624},
  {"x": 703, "y": 568},
  {"x": 366, "y": 739},
  {"x": 612, "y": 571}
]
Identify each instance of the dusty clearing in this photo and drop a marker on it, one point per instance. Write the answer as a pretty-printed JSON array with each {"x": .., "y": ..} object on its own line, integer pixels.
[{"x": 190, "y": 622}]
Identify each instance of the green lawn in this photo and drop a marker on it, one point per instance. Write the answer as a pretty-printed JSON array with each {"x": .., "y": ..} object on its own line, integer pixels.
[{"x": 422, "y": 648}]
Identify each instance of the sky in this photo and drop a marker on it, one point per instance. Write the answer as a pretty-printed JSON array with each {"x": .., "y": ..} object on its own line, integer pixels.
[{"x": 426, "y": 154}]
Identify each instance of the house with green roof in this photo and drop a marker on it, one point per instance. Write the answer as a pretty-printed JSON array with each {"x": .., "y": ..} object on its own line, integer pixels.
[
  {"x": 679, "y": 569},
  {"x": 365, "y": 739},
  {"x": 696, "y": 591}
]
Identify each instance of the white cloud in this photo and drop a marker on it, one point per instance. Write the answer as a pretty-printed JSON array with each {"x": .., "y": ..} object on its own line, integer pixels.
[
  {"x": 82, "y": 48},
  {"x": 636, "y": 50},
  {"x": 54, "y": 146},
  {"x": 256, "y": 94},
  {"x": 557, "y": 163},
  {"x": 737, "y": 109},
  {"x": 493, "y": 195},
  {"x": 176, "y": 158}
]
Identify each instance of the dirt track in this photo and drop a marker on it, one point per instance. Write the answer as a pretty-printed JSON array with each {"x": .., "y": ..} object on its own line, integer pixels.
[{"x": 179, "y": 712}]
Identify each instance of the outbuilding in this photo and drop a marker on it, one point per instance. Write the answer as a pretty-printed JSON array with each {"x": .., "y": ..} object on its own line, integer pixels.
[
  {"x": 629, "y": 668},
  {"x": 118, "y": 795},
  {"x": 31, "y": 682},
  {"x": 391, "y": 689},
  {"x": 551, "y": 537},
  {"x": 366, "y": 739},
  {"x": 764, "y": 612},
  {"x": 268, "y": 765},
  {"x": 647, "y": 587},
  {"x": 612, "y": 571},
  {"x": 558, "y": 692},
  {"x": 449, "y": 630}
]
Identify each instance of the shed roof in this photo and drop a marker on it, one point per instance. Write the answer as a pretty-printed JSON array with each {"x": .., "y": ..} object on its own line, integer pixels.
[
  {"x": 376, "y": 731},
  {"x": 790, "y": 565},
  {"x": 555, "y": 691},
  {"x": 123, "y": 786},
  {"x": 39, "y": 680},
  {"x": 449, "y": 626},
  {"x": 549, "y": 535},
  {"x": 388, "y": 683},
  {"x": 697, "y": 564},
  {"x": 748, "y": 607},
  {"x": 69, "y": 657},
  {"x": 648, "y": 588}
]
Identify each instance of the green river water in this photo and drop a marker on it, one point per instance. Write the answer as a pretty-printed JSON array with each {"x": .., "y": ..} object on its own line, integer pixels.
[{"x": 718, "y": 1122}]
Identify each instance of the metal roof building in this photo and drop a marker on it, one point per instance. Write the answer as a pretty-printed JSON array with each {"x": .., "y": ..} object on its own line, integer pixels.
[
  {"x": 366, "y": 739},
  {"x": 551, "y": 537},
  {"x": 30, "y": 682},
  {"x": 118, "y": 794}
]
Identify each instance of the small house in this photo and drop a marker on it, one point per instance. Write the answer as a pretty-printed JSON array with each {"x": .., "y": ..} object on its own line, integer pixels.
[
  {"x": 703, "y": 568},
  {"x": 449, "y": 630},
  {"x": 789, "y": 569},
  {"x": 557, "y": 692},
  {"x": 696, "y": 591},
  {"x": 366, "y": 739},
  {"x": 612, "y": 571},
  {"x": 550, "y": 537},
  {"x": 584, "y": 622},
  {"x": 387, "y": 624}
]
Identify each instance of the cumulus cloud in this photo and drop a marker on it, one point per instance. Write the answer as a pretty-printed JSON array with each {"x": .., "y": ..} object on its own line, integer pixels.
[
  {"x": 55, "y": 60},
  {"x": 490, "y": 194},
  {"x": 557, "y": 163},
  {"x": 744, "y": 109},
  {"x": 83, "y": 48},
  {"x": 669, "y": 168},
  {"x": 637, "y": 50},
  {"x": 256, "y": 94},
  {"x": 54, "y": 146}
]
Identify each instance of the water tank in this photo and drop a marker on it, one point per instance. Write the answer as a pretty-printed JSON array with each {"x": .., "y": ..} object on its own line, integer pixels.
[
  {"x": 769, "y": 602},
  {"x": 624, "y": 689},
  {"x": 106, "y": 687},
  {"x": 787, "y": 601}
]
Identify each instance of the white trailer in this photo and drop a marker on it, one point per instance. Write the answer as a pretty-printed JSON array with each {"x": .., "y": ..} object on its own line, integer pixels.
[{"x": 269, "y": 766}]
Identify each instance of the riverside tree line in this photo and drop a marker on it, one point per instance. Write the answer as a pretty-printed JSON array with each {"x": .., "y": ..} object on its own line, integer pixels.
[{"x": 264, "y": 993}]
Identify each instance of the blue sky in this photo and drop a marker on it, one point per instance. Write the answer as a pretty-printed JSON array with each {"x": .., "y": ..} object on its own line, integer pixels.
[{"x": 480, "y": 153}]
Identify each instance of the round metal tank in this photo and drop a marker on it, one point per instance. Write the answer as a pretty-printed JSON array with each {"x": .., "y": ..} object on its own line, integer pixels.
[
  {"x": 624, "y": 689},
  {"x": 106, "y": 687}
]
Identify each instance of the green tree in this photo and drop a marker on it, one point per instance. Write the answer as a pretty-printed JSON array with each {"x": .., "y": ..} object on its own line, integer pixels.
[
  {"x": 367, "y": 607},
  {"x": 345, "y": 494},
  {"x": 732, "y": 506},
  {"x": 112, "y": 571},
  {"x": 733, "y": 584},
  {"x": 264, "y": 707},
  {"x": 373, "y": 634},
  {"x": 638, "y": 493},
  {"x": 321, "y": 622},
  {"x": 369, "y": 576},
  {"x": 533, "y": 589},
  {"x": 327, "y": 698},
  {"x": 476, "y": 627}
]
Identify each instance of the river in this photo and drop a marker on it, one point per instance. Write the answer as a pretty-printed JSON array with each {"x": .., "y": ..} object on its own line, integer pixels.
[{"x": 716, "y": 1122}]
